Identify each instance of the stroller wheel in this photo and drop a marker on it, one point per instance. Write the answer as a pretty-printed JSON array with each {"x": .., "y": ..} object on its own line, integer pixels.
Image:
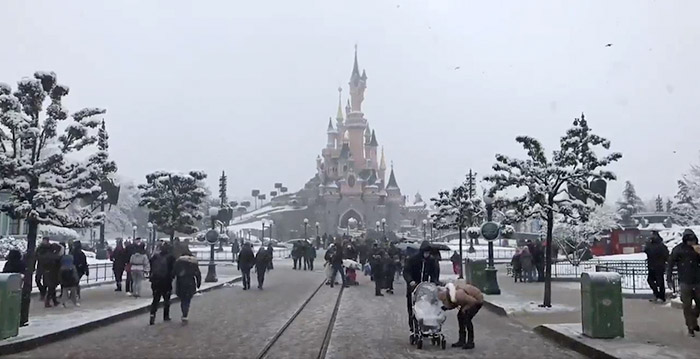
[
  {"x": 419, "y": 344},
  {"x": 443, "y": 343},
  {"x": 412, "y": 338}
]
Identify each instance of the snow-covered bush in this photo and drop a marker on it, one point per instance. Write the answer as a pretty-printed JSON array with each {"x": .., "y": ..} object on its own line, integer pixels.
[
  {"x": 473, "y": 232},
  {"x": 9, "y": 243}
]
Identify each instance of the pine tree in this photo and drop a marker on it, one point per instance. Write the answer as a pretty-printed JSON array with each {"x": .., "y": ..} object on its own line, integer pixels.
[
  {"x": 102, "y": 171},
  {"x": 43, "y": 184},
  {"x": 629, "y": 204},
  {"x": 684, "y": 212},
  {"x": 669, "y": 205},
  {"x": 550, "y": 185},
  {"x": 174, "y": 200},
  {"x": 659, "y": 204},
  {"x": 457, "y": 209}
]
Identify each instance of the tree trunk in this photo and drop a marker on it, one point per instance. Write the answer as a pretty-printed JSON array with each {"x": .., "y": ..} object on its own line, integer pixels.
[
  {"x": 29, "y": 273},
  {"x": 548, "y": 262},
  {"x": 461, "y": 257}
]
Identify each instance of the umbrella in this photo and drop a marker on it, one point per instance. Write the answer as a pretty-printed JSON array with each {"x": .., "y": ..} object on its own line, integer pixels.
[
  {"x": 299, "y": 240},
  {"x": 440, "y": 246}
]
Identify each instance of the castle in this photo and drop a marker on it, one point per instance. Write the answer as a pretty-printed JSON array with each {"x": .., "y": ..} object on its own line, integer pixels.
[{"x": 350, "y": 188}]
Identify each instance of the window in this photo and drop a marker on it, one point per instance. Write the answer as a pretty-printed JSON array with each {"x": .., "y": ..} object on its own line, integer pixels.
[{"x": 15, "y": 225}]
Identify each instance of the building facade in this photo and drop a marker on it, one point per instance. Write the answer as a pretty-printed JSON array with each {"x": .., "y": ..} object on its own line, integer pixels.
[{"x": 350, "y": 187}]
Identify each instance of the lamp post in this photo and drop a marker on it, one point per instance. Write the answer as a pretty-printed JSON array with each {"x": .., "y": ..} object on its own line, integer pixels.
[
  {"x": 151, "y": 240},
  {"x": 262, "y": 236},
  {"x": 430, "y": 221},
  {"x": 318, "y": 238},
  {"x": 211, "y": 270},
  {"x": 425, "y": 224},
  {"x": 249, "y": 235},
  {"x": 306, "y": 224},
  {"x": 134, "y": 228},
  {"x": 490, "y": 232},
  {"x": 271, "y": 222},
  {"x": 384, "y": 228}
]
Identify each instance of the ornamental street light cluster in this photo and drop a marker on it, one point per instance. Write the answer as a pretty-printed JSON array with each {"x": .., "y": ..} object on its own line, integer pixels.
[{"x": 490, "y": 232}]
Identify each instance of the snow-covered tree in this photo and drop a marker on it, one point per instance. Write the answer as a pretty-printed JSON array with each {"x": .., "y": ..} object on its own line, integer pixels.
[
  {"x": 555, "y": 187},
  {"x": 174, "y": 200},
  {"x": 37, "y": 170},
  {"x": 669, "y": 205},
  {"x": 222, "y": 189},
  {"x": 629, "y": 204},
  {"x": 457, "y": 209},
  {"x": 575, "y": 239},
  {"x": 659, "y": 204},
  {"x": 684, "y": 212}
]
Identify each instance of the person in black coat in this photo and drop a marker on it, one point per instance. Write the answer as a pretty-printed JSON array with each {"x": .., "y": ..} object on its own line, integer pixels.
[
  {"x": 51, "y": 265},
  {"x": 43, "y": 248},
  {"x": 337, "y": 264},
  {"x": 686, "y": 256},
  {"x": 188, "y": 279},
  {"x": 246, "y": 261},
  {"x": 657, "y": 256},
  {"x": 14, "y": 263},
  {"x": 80, "y": 262},
  {"x": 271, "y": 255},
  {"x": 120, "y": 257},
  {"x": 161, "y": 277},
  {"x": 262, "y": 262},
  {"x": 377, "y": 265},
  {"x": 419, "y": 268}
]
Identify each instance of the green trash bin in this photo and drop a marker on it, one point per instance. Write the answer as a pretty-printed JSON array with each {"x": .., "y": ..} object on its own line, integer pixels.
[
  {"x": 601, "y": 305},
  {"x": 10, "y": 304},
  {"x": 476, "y": 273}
]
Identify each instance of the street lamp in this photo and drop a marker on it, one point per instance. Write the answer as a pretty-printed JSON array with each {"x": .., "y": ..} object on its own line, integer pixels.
[
  {"x": 425, "y": 224},
  {"x": 306, "y": 224},
  {"x": 262, "y": 236},
  {"x": 318, "y": 238},
  {"x": 134, "y": 228},
  {"x": 430, "y": 221},
  {"x": 151, "y": 240},
  {"x": 211, "y": 270},
  {"x": 490, "y": 232},
  {"x": 271, "y": 222},
  {"x": 384, "y": 228}
]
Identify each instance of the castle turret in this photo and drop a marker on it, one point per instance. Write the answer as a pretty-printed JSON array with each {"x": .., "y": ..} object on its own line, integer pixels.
[
  {"x": 332, "y": 134},
  {"x": 382, "y": 169}
]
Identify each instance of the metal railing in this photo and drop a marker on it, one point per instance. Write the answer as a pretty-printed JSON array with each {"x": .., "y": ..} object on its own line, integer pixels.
[
  {"x": 499, "y": 254},
  {"x": 98, "y": 273},
  {"x": 227, "y": 256}
]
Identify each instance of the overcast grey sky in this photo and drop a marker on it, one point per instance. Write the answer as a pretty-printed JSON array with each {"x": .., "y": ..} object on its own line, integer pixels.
[{"x": 248, "y": 86}]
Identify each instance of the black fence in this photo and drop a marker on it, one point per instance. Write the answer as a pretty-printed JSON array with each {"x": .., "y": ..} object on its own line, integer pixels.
[
  {"x": 633, "y": 273},
  {"x": 98, "y": 272},
  {"x": 227, "y": 255}
]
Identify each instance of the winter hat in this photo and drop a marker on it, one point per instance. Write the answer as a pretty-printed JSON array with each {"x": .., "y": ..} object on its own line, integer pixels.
[{"x": 689, "y": 236}]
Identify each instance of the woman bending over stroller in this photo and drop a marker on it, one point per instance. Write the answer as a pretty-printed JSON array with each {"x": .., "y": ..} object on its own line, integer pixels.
[{"x": 469, "y": 300}]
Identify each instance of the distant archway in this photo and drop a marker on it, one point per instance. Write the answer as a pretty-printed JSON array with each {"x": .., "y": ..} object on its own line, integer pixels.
[{"x": 351, "y": 213}]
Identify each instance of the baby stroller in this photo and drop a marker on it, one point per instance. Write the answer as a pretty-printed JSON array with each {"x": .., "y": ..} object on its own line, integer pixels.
[
  {"x": 428, "y": 316},
  {"x": 350, "y": 271}
]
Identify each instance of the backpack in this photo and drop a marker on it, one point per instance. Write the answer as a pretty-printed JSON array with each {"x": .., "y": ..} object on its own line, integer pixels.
[{"x": 159, "y": 269}]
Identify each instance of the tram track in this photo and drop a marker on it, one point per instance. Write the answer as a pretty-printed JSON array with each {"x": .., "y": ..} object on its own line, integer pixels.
[{"x": 307, "y": 333}]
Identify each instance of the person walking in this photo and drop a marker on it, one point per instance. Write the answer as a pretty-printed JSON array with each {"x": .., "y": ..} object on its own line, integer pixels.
[
  {"x": 14, "y": 263},
  {"x": 516, "y": 266},
  {"x": 235, "y": 248},
  {"x": 328, "y": 258},
  {"x": 686, "y": 257},
  {"x": 42, "y": 249},
  {"x": 81, "y": 264},
  {"x": 271, "y": 255},
  {"x": 337, "y": 265},
  {"x": 68, "y": 278},
  {"x": 246, "y": 261},
  {"x": 119, "y": 260},
  {"x": 161, "y": 281},
  {"x": 456, "y": 263},
  {"x": 419, "y": 268},
  {"x": 657, "y": 256},
  {"x": 296, "y": 255},
  {"x": 375, "y": 263},
  {"x": 262, "y": 262},
  {"x": 51, "y": 265},
  {"x": 310, "y": 256},
  {"x": 469, "y": 300},
  {"x": 140, "y": 265},
  {"x": 188, "y": 280},
  {"x": 526, "y": 264},
  {"x": 130, "y": 250},
  {"x": 389, "y": 269}
]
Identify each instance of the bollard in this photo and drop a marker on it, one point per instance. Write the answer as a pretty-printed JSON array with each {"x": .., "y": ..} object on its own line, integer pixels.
[{"x": 601, "y": 305}]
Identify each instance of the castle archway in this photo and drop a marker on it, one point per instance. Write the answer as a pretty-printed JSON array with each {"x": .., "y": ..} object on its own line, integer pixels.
[{"x": 351, "y": 213}]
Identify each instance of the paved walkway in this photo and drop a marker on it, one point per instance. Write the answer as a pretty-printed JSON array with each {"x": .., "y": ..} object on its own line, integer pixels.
[
  {"x": 652, "y": 325},
  {"x": 370, "y": 327}
]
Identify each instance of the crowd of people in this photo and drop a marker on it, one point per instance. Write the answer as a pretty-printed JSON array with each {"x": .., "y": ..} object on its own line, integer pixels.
[{"x": 528, "y": 262}]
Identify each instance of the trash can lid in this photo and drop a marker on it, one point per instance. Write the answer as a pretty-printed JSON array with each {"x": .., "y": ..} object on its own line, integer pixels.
[{"x": 600, "y": 278}]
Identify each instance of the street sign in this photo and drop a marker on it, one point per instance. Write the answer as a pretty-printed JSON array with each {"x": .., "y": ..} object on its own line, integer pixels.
[
  {"x": 212, "y": 236},
  {"x": 490, "y": 230}
]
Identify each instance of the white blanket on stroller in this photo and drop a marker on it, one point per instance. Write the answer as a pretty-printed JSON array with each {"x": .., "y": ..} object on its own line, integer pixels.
[{"x": 429, "y": 314}]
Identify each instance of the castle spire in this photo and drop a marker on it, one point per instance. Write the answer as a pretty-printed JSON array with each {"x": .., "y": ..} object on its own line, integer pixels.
[
  {"x": 355, "y": 66},
  {"x": 373, "y": 142},
  {"x": 382, "y": 163},
  {"x": 339, "y": 115},
  {"x": 330, "y": 126},
  {"x": 392, "y": 179}
]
